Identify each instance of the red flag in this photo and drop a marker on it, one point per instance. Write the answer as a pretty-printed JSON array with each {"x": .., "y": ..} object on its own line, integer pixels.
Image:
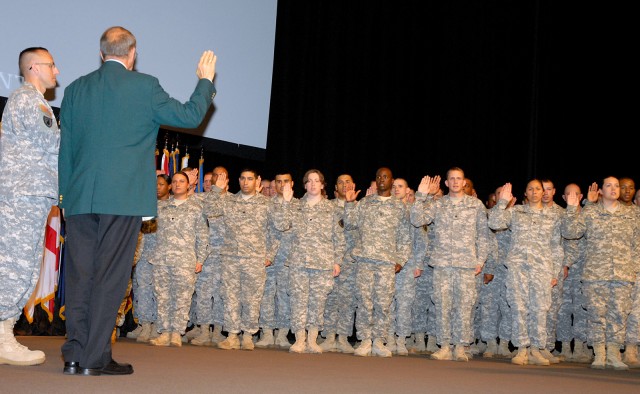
[
  {"x": 45, "y": 290},
  {"x": 165, "y": 161}
]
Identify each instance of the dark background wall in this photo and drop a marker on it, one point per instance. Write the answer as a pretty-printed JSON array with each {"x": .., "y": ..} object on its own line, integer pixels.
[{"x": 507, "y": 90}]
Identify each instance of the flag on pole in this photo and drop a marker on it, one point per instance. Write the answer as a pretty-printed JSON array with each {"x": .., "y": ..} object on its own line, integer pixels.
[
  {"x": 172, "y": 164},
  {"x": 61, "y": 282},
  {"x": 157, "y": 154},
  {"x": 185, "y": 159},
  {"x": 176, "y": 159},
  {"x": 201, "y": 172},
  {"x": 45, "y": 291},
  {"x": 165, "y": 161}
]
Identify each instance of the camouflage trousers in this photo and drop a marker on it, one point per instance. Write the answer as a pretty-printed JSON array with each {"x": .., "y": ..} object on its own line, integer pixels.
[
  {"x": 243, "y": 284},
  {"x": 209, "y": 285},
  {"x": 572, "y": 315},
  {"x": 275, "y": 310},
  {"x": 209, "y": 288},
  {"x": 403, "y": 299},
  {"x": 340, "y": 308},
  {"x": 633, "y": 322},
  {"x": 552, "y": 316},
  {"x": 454, "y": 295},
  {"x": 423, "y": 310},
  {"x": 144, "y": 302},
  {"x": 309, "y": 289},
  {"x": 173, "y": 288},
  {"x": 122, "y": 311},
  {"x": 608, "y": 308},
  {"x": 203, "y": 294},
  {"x": 495, "y": 312},
  {"x": 529, "y": 295},
  {"x": 375, "y": 287},
  {"x": 22, "y": 225},
  {"x": 476, "y": 311}
]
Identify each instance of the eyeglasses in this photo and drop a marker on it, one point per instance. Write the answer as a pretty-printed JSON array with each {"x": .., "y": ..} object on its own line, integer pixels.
[{"x": 50, "y": 65}]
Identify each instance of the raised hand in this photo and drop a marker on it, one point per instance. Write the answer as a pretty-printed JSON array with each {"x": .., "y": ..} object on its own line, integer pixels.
[
  {"x": 287, "y": 192},
  {"x": 425, "y": 185},
  {"x": 351, "y": 193},
  {"x": 573, "y": 199},
  {"x": 259, "y": 184},
  {"x": 505, "y": 193},
  {"x": 193, "y": 176},
  {"x": 207, "y": 65},
  {"x": 593, "y": 193},
  {"x": 222, "y": 182},
  {"x": 435, "y": 185}
]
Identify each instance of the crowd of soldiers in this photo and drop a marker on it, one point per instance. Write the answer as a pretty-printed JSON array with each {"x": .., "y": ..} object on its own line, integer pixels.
[{"x": 413, "y": 271}]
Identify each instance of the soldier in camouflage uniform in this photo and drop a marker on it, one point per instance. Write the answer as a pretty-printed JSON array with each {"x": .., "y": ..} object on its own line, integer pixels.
[
  {"x": 246, "y": 216},
  {"x": 144, "y": 302},
  {"x": 611, "y": 264},
  {"x": 317, "y": 253},
  {"x": 572, "y": 319},
  {"x": 208, "y": 305},
  {"x": 533, "y": 261},
  {"x": 460, "y": 248},
  {"x": 405, "y": 286},
  {"x": 548, "y": 194},
  {"x": 275, "y": 311},
  {"x": 340, "y": 308},
  {"x": 627, "y": 195},
  {"x": 385, "y": 245},
  {"x": 496, "y": 314},
  {"x": 633, "y": 323},
  {"x": 182, "y": 247},
  {"x": 424, "y": 310},
  {"x": 29, "y": 143}
]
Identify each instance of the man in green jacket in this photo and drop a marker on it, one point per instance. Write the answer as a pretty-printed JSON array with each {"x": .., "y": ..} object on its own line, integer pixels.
[{"x": 109, "y": 121}]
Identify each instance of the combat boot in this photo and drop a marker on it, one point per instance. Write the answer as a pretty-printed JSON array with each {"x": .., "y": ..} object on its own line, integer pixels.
[
  {"x": 266, "y": 339},
  {"x": 312, "y": 345},
  {"x": 12, "y": 352},
  {"x": 300, "y": 345}
]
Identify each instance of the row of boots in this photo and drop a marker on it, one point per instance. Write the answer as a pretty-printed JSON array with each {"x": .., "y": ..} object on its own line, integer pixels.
[
  {"x": 608, "y": 356},
  {"x": 605, "y": 356},
  {"x": 268, "y": 339},
  {"x": 336, "y": 343}
]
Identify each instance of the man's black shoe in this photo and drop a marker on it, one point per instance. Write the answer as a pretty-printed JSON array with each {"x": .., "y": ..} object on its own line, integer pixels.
[
  {"x": 71, "y": 368},
  {"x": 113, "y": 368},
  {"x": 116, "y": 368}
]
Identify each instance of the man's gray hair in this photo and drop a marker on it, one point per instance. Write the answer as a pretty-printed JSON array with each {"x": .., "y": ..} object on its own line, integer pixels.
[{"x": 117, "y": 41}]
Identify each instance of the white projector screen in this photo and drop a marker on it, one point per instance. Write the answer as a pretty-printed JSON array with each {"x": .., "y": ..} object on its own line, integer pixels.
[{"x": 171, "y": 36}]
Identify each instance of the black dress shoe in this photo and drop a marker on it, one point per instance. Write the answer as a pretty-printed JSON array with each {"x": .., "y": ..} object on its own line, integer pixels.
[
  {"x": 113, "y": 368},
  {"x": 71, "y": 368},
  {"x": 116, "y": 368},
  {"x": 89, "y": 371}
]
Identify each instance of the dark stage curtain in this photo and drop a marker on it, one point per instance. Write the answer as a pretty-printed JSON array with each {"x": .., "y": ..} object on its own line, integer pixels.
[{"x": 494, "y": 87}]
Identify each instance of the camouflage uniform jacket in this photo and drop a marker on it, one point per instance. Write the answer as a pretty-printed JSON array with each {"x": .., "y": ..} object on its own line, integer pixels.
[
  {"x": 351, "y": 237},
  {"x": 279, "y": 243},
  {"x": 319, "y": 239},
  {"x": 29, "y": 143},
  {"x": 216, "y": 229},
  {"x": 384, "y": 228},
  {"x": 245, "y": 222},
  {"x": 535, "y": 235},
  {"x": 611, "y": 241},
  {"x": 182, "y": 235},
  {"x": 460, "y": 232}
]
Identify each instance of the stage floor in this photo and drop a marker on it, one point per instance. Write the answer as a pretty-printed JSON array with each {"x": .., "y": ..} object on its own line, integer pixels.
[{"x": 193, "y": 369}]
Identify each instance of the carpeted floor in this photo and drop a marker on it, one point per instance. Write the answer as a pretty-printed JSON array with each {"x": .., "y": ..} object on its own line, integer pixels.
[{"x": 192, "y": 369}]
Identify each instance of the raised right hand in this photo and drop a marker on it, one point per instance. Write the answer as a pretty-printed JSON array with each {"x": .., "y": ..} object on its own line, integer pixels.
[{"x": 207, "y": 65}]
